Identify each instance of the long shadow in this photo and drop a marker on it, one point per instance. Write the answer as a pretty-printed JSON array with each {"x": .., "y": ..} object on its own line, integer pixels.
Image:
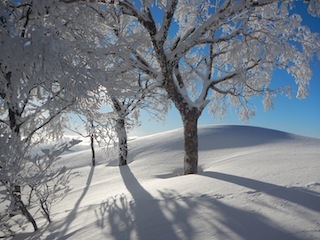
[
  {"x": 146, "y": 214},
  {"x": 73, "y": 213},
  {"x": 222, "y": 220},
  {"x": 249, "y": 225},
  {"x": 300, "y": 196}
]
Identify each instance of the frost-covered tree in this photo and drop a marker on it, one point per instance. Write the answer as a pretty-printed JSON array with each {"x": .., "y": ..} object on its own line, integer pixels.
[
  {"x": 29, "y": 177},
  {"x": 127, "y": 103},
  {"x": 32, "y": 99},
  {"x": 128, "y": 88},
  {"x": 12, "y": 176},
  {"x": 88, "y": 120},
  {"x": 48, "y": 182},
  {"x": 117, "y": 84},
  {"x": 219, "y": 53}
]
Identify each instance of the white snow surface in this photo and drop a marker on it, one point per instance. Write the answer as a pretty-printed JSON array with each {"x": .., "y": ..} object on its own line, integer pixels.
[{"x": 253, "y": 183}]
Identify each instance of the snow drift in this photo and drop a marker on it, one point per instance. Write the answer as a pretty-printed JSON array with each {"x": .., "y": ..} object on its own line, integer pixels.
[{"x": 253, "y": 183}]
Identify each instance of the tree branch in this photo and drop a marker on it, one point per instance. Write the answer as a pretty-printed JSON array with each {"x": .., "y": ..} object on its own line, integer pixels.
[
  {"x": 48, "y": 120},
  {"x": 223, "y": 13},
  {"x": 229, "y": 76},
  {"x": 166, "y": 22}
]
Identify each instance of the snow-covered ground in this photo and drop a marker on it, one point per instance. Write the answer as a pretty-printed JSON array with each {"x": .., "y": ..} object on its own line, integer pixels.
[{"x": 253, "y": 183}]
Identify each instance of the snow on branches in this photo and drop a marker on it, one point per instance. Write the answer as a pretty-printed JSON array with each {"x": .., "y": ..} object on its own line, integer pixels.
[{"x": 224, "y": 53}]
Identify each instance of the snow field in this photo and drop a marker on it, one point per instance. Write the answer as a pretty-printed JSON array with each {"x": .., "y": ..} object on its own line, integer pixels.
[{"x": 253, "y": 183}]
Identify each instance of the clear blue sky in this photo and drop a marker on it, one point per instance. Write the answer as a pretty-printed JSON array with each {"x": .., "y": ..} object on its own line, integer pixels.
[{"x": 291, "y": 115}]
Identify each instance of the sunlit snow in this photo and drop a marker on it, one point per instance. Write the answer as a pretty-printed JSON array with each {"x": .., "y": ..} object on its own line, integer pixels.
[{"x": 253, "y": 183}]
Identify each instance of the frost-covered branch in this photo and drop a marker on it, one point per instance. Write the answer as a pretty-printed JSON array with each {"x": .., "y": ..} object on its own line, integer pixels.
[
  {"x": 226, "y": 11},
  {"x": 166, "y": 21},
  {"x": 48, "y": 120}
]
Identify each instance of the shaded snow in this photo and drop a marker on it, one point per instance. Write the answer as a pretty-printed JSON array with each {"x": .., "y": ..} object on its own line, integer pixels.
[{"x": 253, "y": 183}]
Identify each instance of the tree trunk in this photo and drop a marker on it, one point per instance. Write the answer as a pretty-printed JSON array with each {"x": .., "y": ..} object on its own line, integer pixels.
[
  {"x": 18, "y": 203},
  {"x": 92, "y": 146},
  {"x": 122, "y": 141},
  {"x": 27, "y": 214},
  {"x": 190, "y": 124},
  {"x": 92, "y": 150},
  {"x": 45, "y": 209}
]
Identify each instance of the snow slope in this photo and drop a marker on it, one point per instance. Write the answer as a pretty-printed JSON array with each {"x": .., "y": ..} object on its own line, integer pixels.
[{"x": 253, "y": 183}]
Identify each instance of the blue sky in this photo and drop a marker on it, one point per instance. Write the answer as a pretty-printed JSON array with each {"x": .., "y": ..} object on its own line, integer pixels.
[{"x": 289, "y": 114}]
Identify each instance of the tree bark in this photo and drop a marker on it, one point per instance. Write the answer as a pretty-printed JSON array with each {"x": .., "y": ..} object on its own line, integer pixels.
[
  {"x": 122, "y": 141},
  {"x": 92, "y": 146},
  {"x": 92, "y": 150},
  {"x": 190, "y": 124},
  {"x": 27, "y": 214},
  {"x": 45, "y": 209},
  {"x": 18, "y": 203},
  {"x": 190, "y": 116}
]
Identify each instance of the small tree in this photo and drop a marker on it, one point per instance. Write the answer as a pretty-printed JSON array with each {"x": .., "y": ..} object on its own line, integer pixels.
[
  {"x": 23, "y": 171},
  {"x": 13, "y": 163},
  {"x": 48, "y": 182},
  {"x": 93, "y": 125}
]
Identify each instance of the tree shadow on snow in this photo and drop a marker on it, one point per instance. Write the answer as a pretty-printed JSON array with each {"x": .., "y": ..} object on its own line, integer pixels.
[
  {"x": 300, "y": 196},
  {"x": 143, "y": 214},
  {"x": 220, "y": 219},
  {"x": 65, "y": 224},
  {"x": 174, "y": 216}
]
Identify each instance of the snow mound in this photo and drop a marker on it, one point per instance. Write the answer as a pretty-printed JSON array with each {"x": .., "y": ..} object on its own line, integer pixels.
[{"x": 253, "y": 183}]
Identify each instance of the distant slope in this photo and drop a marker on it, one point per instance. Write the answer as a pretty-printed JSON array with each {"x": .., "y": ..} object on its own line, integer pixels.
[{"x": 218, "y": 137}]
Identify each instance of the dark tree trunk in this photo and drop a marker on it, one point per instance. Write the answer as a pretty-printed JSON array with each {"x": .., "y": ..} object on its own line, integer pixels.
[
  {"x": 92, "y": 146},
  {"x": 190, "y": 116},
  {"x": 122, "y": 141},
  {"x": 92, "y": 150},
  {"x": 45, "y": 209},
  {"x": 27, "y": 214},
  {"x": 190, "y": 124}
]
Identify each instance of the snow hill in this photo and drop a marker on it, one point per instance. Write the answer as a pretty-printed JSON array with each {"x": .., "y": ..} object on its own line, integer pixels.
[{"x": 253, "y": 183}]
